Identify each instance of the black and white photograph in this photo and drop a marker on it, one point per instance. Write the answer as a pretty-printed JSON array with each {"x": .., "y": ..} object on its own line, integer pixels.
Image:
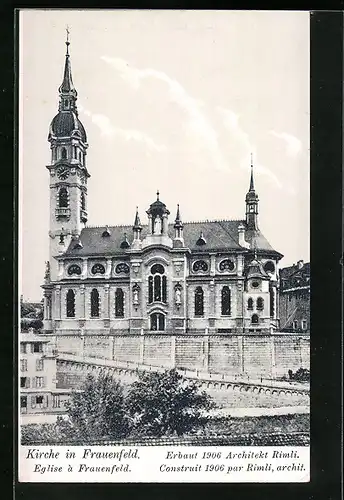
[{"x": 164, "y": 262}]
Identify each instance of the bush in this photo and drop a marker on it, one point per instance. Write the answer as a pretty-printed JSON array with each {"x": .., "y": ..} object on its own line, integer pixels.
[
  {"x": 97, "y": 411},
  {"x": 165, "y": 403},
  {"x": 301, "y": 375},
  {"x": 28, "y": 322}
]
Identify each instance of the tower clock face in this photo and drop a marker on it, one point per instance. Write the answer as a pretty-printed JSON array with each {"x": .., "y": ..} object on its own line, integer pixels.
[{"x": 62, "y": 172}]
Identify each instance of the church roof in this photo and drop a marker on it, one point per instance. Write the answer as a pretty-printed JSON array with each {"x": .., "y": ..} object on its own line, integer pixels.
[
  {"x": 221, "y": 235},
  {"x": 64, "y": 123}
]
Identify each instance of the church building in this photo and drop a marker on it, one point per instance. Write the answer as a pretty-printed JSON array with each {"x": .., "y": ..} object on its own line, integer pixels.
[{"x": 158, "y": 274}]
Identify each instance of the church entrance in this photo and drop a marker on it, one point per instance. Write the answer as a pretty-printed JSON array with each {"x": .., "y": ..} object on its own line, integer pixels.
[{"x": 157, "y": 322}]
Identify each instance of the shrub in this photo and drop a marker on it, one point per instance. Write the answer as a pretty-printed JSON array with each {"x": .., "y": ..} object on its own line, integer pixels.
[
  {"x": 97, "y": 411},
  {"x": 165, "y": 403},
  {"x": 301, "y": 375}
]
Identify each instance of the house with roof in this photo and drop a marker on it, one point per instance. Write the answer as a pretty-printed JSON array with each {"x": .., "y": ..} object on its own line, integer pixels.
[
  {"x": 158, "y": 275},
  {"x": 294, "y": 298}
]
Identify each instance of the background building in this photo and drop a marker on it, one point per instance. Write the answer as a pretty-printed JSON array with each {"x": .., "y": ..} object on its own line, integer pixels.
[
  {"x": 37, "y": 365},
  {"x": 294, "y": 298}
]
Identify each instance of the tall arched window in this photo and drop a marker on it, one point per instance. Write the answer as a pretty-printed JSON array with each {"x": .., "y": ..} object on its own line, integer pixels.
[
  {"x": 63, "y": 198},
  {"x": 70, "y": 303},
  {"x": 255, "y": 319},
  {"x": 83, "y": 201},
  {"x": 157, "y": 284},
  {"x": 95, "y": 303},
  {"x": 260, "y": 303},
  {"x": 64, "y": 153},
  {"x": 199, "y": 302},
  {"x": 119, "y": 303},
  {"x": 80, "y": 156},
  {"x": 75, "y": 152},
  {"x": 250, "y": 304},
  {"x": 226, "y": 301},
  {"x": 157, "y": 322}
]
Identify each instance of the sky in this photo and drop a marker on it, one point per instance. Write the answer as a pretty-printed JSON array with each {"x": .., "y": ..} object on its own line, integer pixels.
[{"x": 174, "y": 101}]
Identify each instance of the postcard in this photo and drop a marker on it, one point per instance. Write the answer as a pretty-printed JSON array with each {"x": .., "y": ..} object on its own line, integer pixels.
[{"x": 164, "y": 267}]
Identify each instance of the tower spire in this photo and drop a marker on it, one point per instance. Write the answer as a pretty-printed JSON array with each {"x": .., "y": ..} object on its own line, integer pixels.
[
  {"x": 252, "y": 203},
  {"x": 251, "y": 178},
  {"x": 178, "y": 218},
  {"x": 137, "y": 222},
  {"x": 67, "y": 86},
  {"x": 178, "y": 241}
]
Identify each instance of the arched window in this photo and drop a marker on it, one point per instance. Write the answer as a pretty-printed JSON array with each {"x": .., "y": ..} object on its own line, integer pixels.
[
  {"x": 83, "y": 201},
  {"x": 95, "y": 303},
  {"x": 226, "y": 301},
  {"x": 260, "y": 303},
  {"x": 119, "y": 303},
  {"x": 157, "y": 322},
  {"x": 250, "y": 304},
  {"x": 157, "y": 284},
  {"x": 75, "y": 152},
  {"x": 70, "y": 304},
  {"x": 80, "y": 156},
  {"x": 63, "y": 198},
  {"x": 64, "y": 153},
  {"x": 255, "y": 319},
  {"x": 54, "y": 154},
  {"x": 199, "y": 302}
]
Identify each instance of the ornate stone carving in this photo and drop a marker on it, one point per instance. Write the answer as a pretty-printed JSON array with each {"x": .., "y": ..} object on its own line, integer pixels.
[{"x": 47, "y": 272}]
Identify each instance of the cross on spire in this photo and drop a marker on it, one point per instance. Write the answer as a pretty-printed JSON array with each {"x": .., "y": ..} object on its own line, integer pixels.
[
  {"x": 157, "y": 195},
  {"x": 67, "y": 38}
]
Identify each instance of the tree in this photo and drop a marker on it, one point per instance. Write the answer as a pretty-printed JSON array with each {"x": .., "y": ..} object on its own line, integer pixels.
[
  {"x": 166, "y": 403},
  {"x": 96, "y": 411}
]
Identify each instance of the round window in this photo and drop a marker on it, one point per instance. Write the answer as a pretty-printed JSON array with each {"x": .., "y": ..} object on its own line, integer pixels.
[
  {"x": 98, "y": 269},
  {"x": 200, "y": 265},
  {"x": 269, "y": 267},
  {"x": 74, "y": 269},
  {"x": 226, "y": 265},
  {"x": 122, "y": 268},
  {"x": 255, "y": 284}
]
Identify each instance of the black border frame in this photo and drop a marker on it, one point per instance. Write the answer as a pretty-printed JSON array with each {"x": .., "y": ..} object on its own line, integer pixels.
[{"x": 326, "y": 260}]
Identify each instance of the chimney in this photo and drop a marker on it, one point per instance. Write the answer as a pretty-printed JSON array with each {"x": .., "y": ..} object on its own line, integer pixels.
[{"x": 242, "y": 241}]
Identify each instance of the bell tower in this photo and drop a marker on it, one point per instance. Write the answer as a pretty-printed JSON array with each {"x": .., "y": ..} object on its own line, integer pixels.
[
  {"x": 68, "y": 171},
  {"x": 252, "y": 204}
]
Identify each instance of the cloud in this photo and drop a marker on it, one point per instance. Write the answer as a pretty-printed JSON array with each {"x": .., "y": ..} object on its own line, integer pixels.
[
  {"x": 197, "y": 125},
  {"x": 231, "y": 122},
  {"x": 106, "y": 128},
  {"x": 293, "y": 144}
]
